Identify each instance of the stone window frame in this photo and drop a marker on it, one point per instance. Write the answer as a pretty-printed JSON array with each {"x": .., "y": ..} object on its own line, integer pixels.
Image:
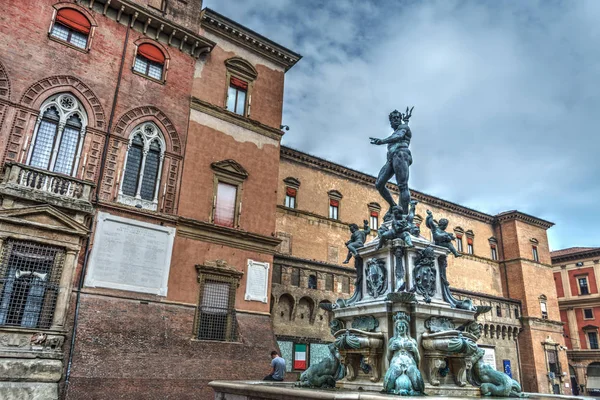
[
  {"x": 583, "y": 313},
  {"x": 374, "y": 212},
  {"x": 165, "y": 66},
  {"x": 470, "y": 242},
  {"x": 58, "y": 102},
  {"x": 93, "y": 25},
  {"x": 237, "y": 67},
  {"x": 591, "y": 329},
  {"x": 218, "y": 271},
  {"x": 147, "y": 139},
  {"x": 293, "y": 184},
  {"x": 493, "y": 248},
  {"x": 232, "y": 173},
  {"x": 550, "y": 345},
  {"x": 459, "y": 233},
  {"x": 587, "y": 284},
  {"x": 543, "y": 306},
  {"x": 334, "y": 196}
]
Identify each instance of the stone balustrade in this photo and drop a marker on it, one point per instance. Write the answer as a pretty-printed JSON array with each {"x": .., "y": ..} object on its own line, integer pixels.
[{"x": 26, "y": 182}]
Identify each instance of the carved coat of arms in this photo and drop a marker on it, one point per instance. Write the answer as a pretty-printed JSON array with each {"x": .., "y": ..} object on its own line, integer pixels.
[
  {"x": 425, "y": 274},
  {"x": 376, "y": 277}
]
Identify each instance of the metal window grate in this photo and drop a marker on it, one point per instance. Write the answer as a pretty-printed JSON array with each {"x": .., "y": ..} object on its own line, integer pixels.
[
  {"x": 216, "y": 315},
  {"x": 29, "y": 283},
  {"x": 276, "y": 273},
  {"x": 295, "y": 278}
]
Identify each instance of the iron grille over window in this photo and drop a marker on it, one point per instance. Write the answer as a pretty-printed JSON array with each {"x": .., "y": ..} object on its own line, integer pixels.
[
  {"x": 295, "y": 280},
  {"x": 329, "y": 282},
  {"x": 29, "y": 281},
  {"x": 276, "y": 273},
  {"x": 216, "y": 319}
]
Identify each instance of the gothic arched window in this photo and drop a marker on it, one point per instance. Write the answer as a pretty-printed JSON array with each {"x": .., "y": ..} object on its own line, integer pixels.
[
  {"x": 143, "y": 167},
  {"x": 58, "y": 135}
]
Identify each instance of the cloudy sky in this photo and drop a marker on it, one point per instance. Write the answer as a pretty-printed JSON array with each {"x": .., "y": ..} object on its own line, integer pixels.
[{"x": 506, "y": 96}]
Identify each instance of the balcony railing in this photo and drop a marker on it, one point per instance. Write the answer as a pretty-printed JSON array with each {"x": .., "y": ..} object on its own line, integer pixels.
[{"x": 37, "y": 184}]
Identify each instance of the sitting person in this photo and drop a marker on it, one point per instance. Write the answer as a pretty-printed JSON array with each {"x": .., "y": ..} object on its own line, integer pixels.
[{"x": 278, "y": 368}]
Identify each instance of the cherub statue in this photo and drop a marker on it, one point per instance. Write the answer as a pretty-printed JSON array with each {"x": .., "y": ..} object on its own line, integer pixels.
[
  {"x": 440, "y": 236},
  {"x": 402, "y": 226},
  {"x": 357, "y": 240},
  {"x": 403, "y": 376}
]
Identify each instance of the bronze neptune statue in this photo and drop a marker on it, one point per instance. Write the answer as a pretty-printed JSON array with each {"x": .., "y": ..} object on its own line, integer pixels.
[{"x": 398, "y": 161}]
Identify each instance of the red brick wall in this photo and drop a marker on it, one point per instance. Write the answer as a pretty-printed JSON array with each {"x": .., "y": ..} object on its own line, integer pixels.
[
  {"x": 129, "y": 350},
  {"x": 574, "y": 273},
  {"x": 564, "y": 319},
  {"x": 207, "y": 145},
  {"x": 267, "y": 91},
  {"x": 560, "y": 292}
]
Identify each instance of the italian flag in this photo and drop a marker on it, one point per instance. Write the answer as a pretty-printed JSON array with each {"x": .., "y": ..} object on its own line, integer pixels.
[{"x": 300, "y": 356}]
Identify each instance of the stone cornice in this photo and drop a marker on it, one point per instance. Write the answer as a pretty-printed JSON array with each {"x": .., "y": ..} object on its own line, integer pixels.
[
  {"x": 535, "y": 320},
  {"x": 171, "y": 219},
  {"x": 484, "y": 295},
  {"x": 521, "y": 259},
  {"x": 200, "y": 230},
  {"x": 590, "y": 300},
  {"x": 152, "y": 24},
  {"x": 583, "y": 355},
  {"x": 321, "y": 265},
  {"x": 576, "y": 256},
  {"x": 520, "y": 216},
  {"x": 228, "y": 116},
  {"x": 214, "y": 22},
  {"x": 369, "y": 180}
]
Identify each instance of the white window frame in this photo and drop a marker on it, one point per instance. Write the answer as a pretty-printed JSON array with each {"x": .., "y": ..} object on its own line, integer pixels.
[
  {"x": 149, "y": 132},
  {"x": 373, "y": 222},
  {"x": 535, "y": 253},
  {"x": 587, "y": 284},
  {"x": 65, "y": 110},
  {"x": 583, "y": 313}
]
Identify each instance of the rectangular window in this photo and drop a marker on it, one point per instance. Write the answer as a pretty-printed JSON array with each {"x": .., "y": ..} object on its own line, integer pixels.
[
  {"x": 312, "y": 281},
  {"x": 516, "y": 312},
  {"x": 588, "y": 313},
  {"x": 29, "y": 283},
  {"x": 334, "y": 209},
  {"x": 553, "y": 361},
  {"x": 459, "y": 244},
  {"x": 534, "y": 251},
  {"x": 469, "y": 248},
  {"x": 148, "y": 67},
  {"x": 236, "y": 96},
  {"x": 593, "y": 338},
  {"x": 63, "y": 32},
  {"x": 276, "y": 273},
  {"x": 216, "y": 313},
  {"x": 329, "y": 282},
  {"x": 494, "y": 253},
  {"x": 544, "y": 310},
  {"x": 225, "y": 204},
  {"x": 583, "y": 285},
  {"x": 374, "y": 221},
  {"x": 300, "y": 356},
  {"x": 295, "y": 278},
  {"x": 290, "y": 197},
  {"x": 498, "y": 311},
  {"x": 345, "y": 284}
]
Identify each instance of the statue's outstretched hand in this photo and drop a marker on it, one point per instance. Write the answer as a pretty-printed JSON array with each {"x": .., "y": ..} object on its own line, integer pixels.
[
  {"x": 375, "y": 140},
  {"x": 429, "y": 212}
]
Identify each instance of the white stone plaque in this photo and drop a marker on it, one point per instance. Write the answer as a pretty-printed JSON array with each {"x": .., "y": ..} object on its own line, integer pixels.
[
  {"x": 257, "y": 281},
  {"x": 130, "y": 255},
  {"x": 489, "y": 357}
]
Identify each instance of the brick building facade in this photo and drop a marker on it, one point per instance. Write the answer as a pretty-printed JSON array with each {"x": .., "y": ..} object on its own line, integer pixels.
[
  {"x": 505, "y": 263},
  {"x": 576, "y": 275},
  {"x": 135, "y": 136},
  {"x": 146, "y": 204}
]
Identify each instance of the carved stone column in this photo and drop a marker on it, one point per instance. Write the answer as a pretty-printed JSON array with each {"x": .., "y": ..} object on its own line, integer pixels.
[{"x": 64, "y": 290}]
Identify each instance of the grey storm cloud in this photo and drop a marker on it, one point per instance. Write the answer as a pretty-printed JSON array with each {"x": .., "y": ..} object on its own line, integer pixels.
[{"x": 505, "y": 93}]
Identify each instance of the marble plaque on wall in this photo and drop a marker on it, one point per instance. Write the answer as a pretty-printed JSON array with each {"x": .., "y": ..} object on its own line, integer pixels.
[
  {"x": 257, "y": 281},
  {"x": 489, "y": 357},
  {"x": 130, "y": 255}
]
